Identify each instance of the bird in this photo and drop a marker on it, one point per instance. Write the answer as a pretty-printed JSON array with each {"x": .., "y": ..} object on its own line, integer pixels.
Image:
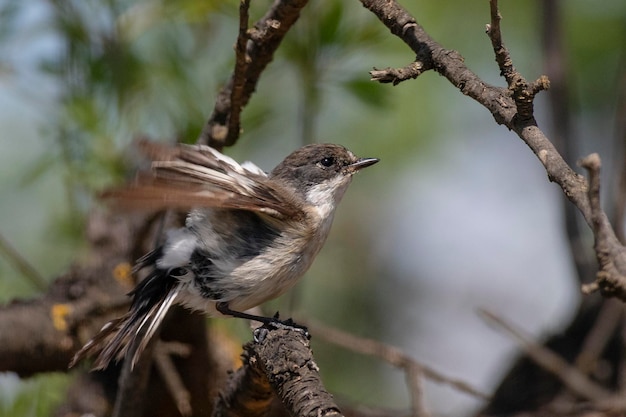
[{"x": 248, "y": 237}]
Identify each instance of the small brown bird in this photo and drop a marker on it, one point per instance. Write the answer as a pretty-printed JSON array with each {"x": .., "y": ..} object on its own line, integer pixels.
[{"x": 248, "y": 238}]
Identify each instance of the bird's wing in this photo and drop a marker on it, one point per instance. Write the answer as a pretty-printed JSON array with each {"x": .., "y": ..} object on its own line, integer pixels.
[{"x": 189, "y": 176}]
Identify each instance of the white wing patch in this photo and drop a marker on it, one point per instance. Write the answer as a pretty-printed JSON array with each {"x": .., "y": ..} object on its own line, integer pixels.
[
  {"x": 251, "y": 167},
  {"x": 179, "y": 245}
]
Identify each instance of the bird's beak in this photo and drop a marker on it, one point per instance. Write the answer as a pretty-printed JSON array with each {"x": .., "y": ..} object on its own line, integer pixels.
[{"x": 362, "y": 163}]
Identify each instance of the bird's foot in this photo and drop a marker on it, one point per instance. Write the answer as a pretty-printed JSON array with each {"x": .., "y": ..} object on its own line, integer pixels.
[{"x": 274, "y": 323}]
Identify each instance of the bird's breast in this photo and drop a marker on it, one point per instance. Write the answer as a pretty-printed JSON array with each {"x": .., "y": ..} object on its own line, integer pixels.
[{"x": 280, "y": 265}]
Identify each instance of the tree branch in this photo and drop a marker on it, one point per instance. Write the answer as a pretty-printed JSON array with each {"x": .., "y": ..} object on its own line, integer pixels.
[
  {"x": 513, "y": 107},
  {"x": 448, "y": 63},
  {"x": 570, "y": 376},
  {"x": 261, "y": 42},
  {"x": 391, "y": 355},
  {"x": 21, "y": 264},
  {"x": 41, "y": 335},
  {"x": 611, "y": 255},
  {"x": 280, "y": 359}
]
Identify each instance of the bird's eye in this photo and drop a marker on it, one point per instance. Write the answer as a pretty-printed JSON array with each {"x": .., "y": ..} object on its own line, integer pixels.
[{"x": 327, "y": 161}]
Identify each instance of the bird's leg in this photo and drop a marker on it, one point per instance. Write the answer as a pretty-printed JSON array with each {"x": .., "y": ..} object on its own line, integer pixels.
[
  {"x": 268, "y": 322},
  {"x": 223, "y": 308}
]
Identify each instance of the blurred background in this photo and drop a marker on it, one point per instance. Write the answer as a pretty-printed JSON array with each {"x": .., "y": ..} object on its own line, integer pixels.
[{"x": 459, "y": 215}]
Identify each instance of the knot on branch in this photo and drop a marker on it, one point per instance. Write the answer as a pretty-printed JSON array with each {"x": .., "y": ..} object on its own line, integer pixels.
[
  {"x": 521, "y": 90},
  {"x": 524, "y": 93},
  {"x": 263, "y": 30},
  {"x": 397, "y": 75}
]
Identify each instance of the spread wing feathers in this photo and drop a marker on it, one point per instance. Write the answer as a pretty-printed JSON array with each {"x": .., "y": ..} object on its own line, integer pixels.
[
  {"x": 189, "y": 176},
  {"x": 152, "y": 299}
]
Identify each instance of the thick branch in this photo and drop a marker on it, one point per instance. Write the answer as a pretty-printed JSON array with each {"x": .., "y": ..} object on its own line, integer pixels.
[
  {"x": 282, "y": 360},
  {"x": 42, "y": 334},
  {"x": 247, "y": 391},
  {"x": 569, "y": 375}
]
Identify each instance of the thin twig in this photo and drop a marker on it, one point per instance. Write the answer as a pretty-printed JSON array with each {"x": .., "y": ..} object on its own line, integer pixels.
[
  {"x": 397, "y": 75},
  {"x": 503, "y": 57},
  {"x": 609, "y": 318},
  {"x": 523, "y": 92},
  {"x": 389, "y": 354},
  {"x": 414, "y": 379},
  {"x": 513, "y": 107},
  {"x": 620, "y": 140},
  {"x": 556, "y": 67},
  {"x": 497, "y": 100},
  {"x": 611, "y": 255},
  {"x": 239, "y": 75},
  {"x": 569, "y": 375},
  {"x": 21, "y": 264},
  {"x": 170, "y": 375}
]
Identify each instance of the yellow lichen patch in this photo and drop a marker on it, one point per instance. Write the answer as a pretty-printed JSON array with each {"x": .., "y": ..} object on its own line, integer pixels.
[
  {"x": 59, "y": 313},
  {"x": 122, "y": 274}
]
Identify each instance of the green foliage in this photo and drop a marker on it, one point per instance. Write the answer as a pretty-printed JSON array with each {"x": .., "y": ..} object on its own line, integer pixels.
[
  {"x": 37, "y": 396},
  {"x": 596, "y": 46},
  {"x": 134, "y": 70},
  {"x": 321, "y": 49}
]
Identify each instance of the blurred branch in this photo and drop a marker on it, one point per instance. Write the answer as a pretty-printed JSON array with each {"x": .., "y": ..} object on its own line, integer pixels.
[
  {"x": 21, "y": 264},
  {"x": 608, "y": 322},
  {"x": 133, "y": 384},
  {"x": 571, "y": 377},
  {"x": 620, "y": 140},
  {"x": 600, "y": 400},
  {"x": 393, "y": 356},
  {"x": 40, "y": 335},
  {"x": 171, "y": 376},
  {"x": 563, "y": 135},
  {"x": 261, "y": 43}
]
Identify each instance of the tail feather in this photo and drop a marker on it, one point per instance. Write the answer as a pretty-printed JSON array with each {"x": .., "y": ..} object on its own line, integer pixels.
[
  {"x": 152, "y": 299},
  {"x": 95, "y": 344},
  {"x": 153, "y": 320}
]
